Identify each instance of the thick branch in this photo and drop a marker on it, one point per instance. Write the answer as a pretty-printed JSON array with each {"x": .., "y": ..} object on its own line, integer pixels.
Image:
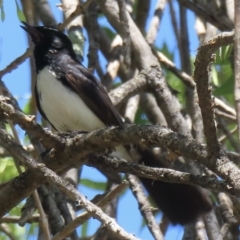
[
  {"x": 218, "y": 20},
  {"x": 206, "y": 102}
]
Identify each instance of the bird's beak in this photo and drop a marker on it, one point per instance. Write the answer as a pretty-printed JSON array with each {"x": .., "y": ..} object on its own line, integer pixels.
[{"x": 35, "y": 34}]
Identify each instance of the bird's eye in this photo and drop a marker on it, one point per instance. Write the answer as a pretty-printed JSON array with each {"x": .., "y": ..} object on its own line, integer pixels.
[{"x": 57, "y": 43}]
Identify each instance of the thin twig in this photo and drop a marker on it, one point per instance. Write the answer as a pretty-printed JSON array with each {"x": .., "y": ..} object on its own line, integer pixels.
[
  {"x": 114, "y": 62},
  {"x": 155, "y": 22},
  {"x": 224, "y": 107},
  {"x": 183, "y": 76},
  {"x": 144, "y": 207},
  {"x": 15, "y": 219},
  {"x": 174, "y": 22},
  {"x": 228, "y": 116},
  {"x": 228, "y": 135},
  {"x": 125, "y": 32},
  {"x": 147, "y": 102},
  {"x": 131, "y": 109},
  {"x": 227, "y": 210},
  {"x": 43, "y": 11},
  {"x": 17, "y": 165},
  {"x": 6, "y": 230},
  {"x": 149, "y": 105},
  {"x": 218, "y": 20},
  {"x": 55, "y": 217},
  {"x": 80, "y": 9},
  {"x": 212, "y": 226},
  {"x": 91, "y": 18},
  {"x": 82, "y": 218},
  {"x": 225, "y": 230},
  {"x": 130, "y": 88},
  {"x": 14, "y": 64},
  {"x": 142, "y": 14},
  {"x": 44, "y": 221},
  {"x": 27, "y": 211},
  {"x": 161, "y": 174}
]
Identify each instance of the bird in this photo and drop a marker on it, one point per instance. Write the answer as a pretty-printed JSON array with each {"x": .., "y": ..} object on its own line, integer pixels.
[{"x": 71, "y": 98}]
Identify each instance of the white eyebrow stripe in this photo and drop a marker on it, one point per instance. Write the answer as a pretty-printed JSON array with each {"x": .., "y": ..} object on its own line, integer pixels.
[{"x": 51, "y": 28}]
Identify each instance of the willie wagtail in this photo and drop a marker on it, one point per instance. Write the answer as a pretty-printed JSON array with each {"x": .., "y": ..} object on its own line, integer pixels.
[{"x": 70, "y": 98}]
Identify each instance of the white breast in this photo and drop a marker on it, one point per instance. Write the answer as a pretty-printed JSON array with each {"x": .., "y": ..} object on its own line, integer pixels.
[{"x": 66, "y": 110}]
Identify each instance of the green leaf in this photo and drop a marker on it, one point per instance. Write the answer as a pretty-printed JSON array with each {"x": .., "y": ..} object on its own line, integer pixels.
[
  {"x": 141, "y": 118},
  {"x": 177, "y": 86},
  {"x": 223, "y": 54},
  {"x": 109, "y": 32},
  {"x": 225, "y": 88},
  {"x": 165, "y": 50},
  {"x": 84, "y": 229},
  {"x": 215, "y": 76},
  {"x": 94, "y": 185},
  {"x": 2, "y": 13},
  {"x": 7, "y": 169},
  {"x": 20, "y": 14},
  {"x": 17, "y": 231},
  {"x": 27, "y": 107},
  {"x": 78, "y": 41},
  {"x": 32, "y": 230},
  {"x": 3, "y": 165}
]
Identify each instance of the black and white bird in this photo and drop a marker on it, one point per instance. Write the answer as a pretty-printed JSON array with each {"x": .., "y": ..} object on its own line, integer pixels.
[{"x": 70, "y": 98}]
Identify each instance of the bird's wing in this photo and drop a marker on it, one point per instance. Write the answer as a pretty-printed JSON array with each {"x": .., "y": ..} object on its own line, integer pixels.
[{"x": 82, "y": 81}]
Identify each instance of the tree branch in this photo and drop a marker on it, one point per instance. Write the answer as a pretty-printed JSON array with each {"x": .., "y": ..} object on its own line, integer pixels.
[
  {"x": 145, "y": 207},
  {"x": 79, "y": 220}
]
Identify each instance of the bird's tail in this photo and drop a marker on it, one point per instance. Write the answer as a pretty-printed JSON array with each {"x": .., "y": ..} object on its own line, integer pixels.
[{"x": 181, "y": 203}]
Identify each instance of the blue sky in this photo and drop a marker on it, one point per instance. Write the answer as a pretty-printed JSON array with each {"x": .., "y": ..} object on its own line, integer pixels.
[{"x": 13, "y": 43}]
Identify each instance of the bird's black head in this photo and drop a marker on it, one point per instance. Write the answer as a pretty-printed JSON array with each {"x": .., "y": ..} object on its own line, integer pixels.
[{"x": 49, "y": 42}]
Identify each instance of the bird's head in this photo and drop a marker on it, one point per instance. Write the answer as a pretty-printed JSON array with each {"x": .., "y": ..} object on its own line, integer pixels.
[{"x": 49, "y": 39}]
